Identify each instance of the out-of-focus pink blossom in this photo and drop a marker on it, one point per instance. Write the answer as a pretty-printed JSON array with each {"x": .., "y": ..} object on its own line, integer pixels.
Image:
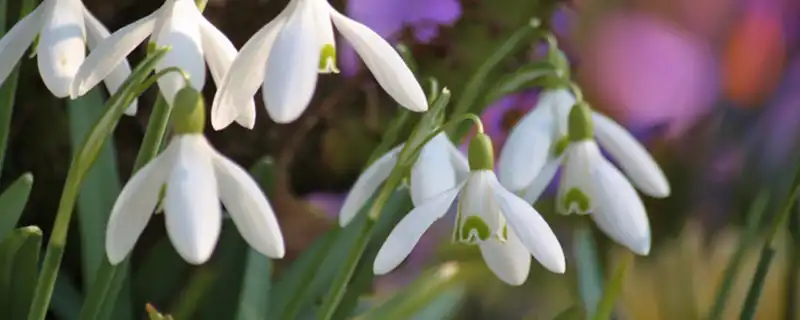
[{"x": 649, "y": 71}]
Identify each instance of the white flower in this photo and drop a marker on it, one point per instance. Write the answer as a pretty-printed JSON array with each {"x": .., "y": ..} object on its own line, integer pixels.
[
  {"x": 197, "y": 178},
  {"x": 531, "y": 155},
  {"x": 486, "y": 210},
  {"x": 65, "y": 28},
  {"x": 589, "y": 183},
  {"x": 194, "y": 42},
  {"x": 286, "y": 54},
  {"x": 439, "y": 168}
]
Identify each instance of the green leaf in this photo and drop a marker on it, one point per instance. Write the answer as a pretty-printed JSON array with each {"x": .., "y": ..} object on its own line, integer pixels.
[
  {"x": 572, "y": 313},
  {"x": 590, "y": 272},
  {"x": 767, "y": 254},
  {"x": 526, "y": 77},
  {"x": 19, "y": 257},
  {"x": 418, "y": 295},
  {"x": 606, "y": 306},
  {"x": 67, "y": 300},
  {"x": 100, "y": 186},
  {"x": 189, "y": 301},
  {"x": 754, "y": 217},
  {"x": 475, "y": 86},
  {"x": 81, "y": 162},
  {"x": 12, "y": 203},
  {"x": 254, "y": 297},
  {"x": 8, "y": 88}
]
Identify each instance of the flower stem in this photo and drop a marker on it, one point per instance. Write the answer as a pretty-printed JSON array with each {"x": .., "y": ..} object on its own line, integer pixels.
[
  {"x": 81, "y": 162},
  {"x": 106, "y": 286}
]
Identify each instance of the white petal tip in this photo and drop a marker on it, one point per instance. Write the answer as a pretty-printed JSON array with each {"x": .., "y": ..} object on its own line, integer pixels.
[
  {"x": 557, "y": 265},
  {"x": 380, "y": 269},
  {"x": 114, "y": 258},
  {"x": 196, "y": 258},
  {"x": 641, "y": 247}
]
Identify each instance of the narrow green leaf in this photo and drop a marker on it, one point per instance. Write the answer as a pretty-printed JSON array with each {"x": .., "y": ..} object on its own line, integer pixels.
[
  {"x": 757, "y": 285},
  {"x": 525, "y": 77},
  {"x": 292, "y": 290},
  {"x": 754, "y": 217},
  {"x": 418, "y": 295},
  {"x": 81, "y": 163},
  {"x": 606, "y": 306},
  {"x": 8, "y": 88},
  {"x": 590, "y": 272},
  {"x": 254, "y": 298},
  {"x": 767, "y": 253},
  {"x": 160, "y": 274},
  {"x": 100, "y": 186},
  {"x": 12, "y": 203},
  {"x": 190, "y": 298},
  {"x": 263, "y": 171},
  {"x": 19, "y": 258},
  {"x": 572, "y": 313},
  {"x": 475, "y": 86}
]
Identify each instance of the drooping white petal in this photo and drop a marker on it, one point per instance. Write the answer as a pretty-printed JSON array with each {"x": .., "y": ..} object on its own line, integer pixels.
[
  {"x": 366, "y": 184},
  {"x": 529, "y": 145},
  {"x": 248, "y": 206},
  {"x": 631, "y": 156},
  {"x": 220, "y": 53},
  {"x": 386, "y": 65},
  {"x": 14, "y": 43},
  {"x": 181, "y": 31},
  {"x": 246, "y": 73},
  {"x": 510, "y": 260},
  {"x": 562, "y": 103},
  {"x": 620, "y": 212},
  {"x": 135, "y": 204},
  {"x": 290, "y": 76},
  {"x": 191, "y": 203},
  {"x": 458, "y": 160},
  {"x": 109, "y": 54},
  {"x": 576, "y": 188},
  {"x": 532, "y": 193},
  {"x": 325, "y": 37},
  {"x": 532, "y": 230},
  {"x": 96, "y": 32},
  {"x": 433, "y": 173},
  {"x": 408, "y": 231},
  {"x": 62, "y": 47}
]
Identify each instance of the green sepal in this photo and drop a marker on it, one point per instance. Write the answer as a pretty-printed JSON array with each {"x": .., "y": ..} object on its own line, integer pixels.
[
  {"x": 481, "y": 153},
  {"x": 189, "y": 114},
  {"x": 581, "y": 126}
]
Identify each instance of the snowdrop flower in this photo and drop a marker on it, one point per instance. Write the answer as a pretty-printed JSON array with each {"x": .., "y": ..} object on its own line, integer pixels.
[
  {"x": 506, "y": 228},
  {"x": 590, "y": 184},
  {"x": 194, "y": 42},
  {"x": 285, "y": 56},
  {"x": 197, "y": 179},
  {"x": 65, "y": 28},
  {"x": 533, "y": 150},
  {"x": 438, "y": 168}
]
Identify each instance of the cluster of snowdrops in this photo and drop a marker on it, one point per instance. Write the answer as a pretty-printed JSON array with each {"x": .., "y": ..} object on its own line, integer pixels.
[{"x": 189, "y": 179}]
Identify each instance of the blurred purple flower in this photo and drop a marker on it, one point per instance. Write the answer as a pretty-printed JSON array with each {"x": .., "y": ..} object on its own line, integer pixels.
[
  {"x": 389, "y": 17},
  {"x": 650, "y": 71}
]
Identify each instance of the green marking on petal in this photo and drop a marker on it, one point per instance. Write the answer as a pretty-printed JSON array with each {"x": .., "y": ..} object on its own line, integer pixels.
[
  {"x": 327, "y": 59},
  {"x": 561, "y": 145},
  {"x": 476, "y": 224},
  {"x": 505, "y": 233},
  {"x": 575, "y": 195}
]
